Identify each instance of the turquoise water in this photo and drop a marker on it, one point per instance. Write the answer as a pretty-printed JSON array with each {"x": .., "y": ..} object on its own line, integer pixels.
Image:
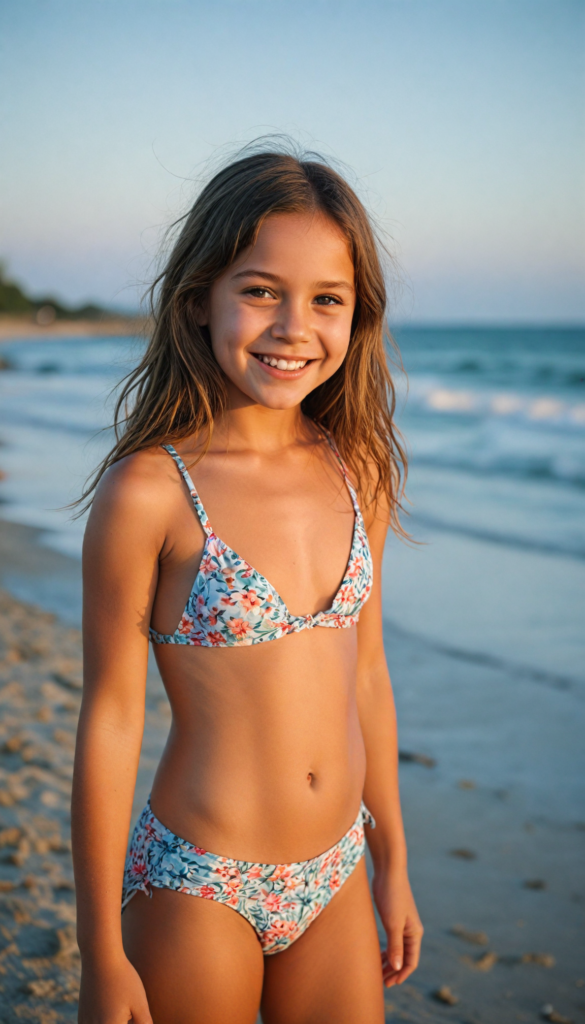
[
  {"x": 495, "y": 425},
  {"x": 495, "y": 422}
]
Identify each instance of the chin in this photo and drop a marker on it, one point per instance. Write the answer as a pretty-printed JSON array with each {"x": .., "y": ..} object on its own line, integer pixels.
[
  {"x": 277, "y": 397},
  {"x": 280, "y": 402}
]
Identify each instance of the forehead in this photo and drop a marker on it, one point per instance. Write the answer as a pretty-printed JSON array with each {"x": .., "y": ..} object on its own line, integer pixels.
[{"x": 309, "y": 242}]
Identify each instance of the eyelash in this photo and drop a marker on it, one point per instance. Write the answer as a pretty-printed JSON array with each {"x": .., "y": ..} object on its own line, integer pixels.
[{"x": 335, "y": 301}]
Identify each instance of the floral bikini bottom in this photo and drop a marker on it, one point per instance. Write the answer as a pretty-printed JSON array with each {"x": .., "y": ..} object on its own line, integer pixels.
[{"x": 279, "y": 900}]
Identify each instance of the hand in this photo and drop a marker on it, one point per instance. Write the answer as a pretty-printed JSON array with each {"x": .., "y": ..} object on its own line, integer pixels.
[
  {"x": 397, "y": 909},
  {"x": 112, "y": 994}
]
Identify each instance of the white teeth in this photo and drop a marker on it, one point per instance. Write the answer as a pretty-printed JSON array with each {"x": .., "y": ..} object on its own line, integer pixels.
[{"x": 284, "y": 364}]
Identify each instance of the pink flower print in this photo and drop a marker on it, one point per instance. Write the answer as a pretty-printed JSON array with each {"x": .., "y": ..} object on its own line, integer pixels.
[
  {"x": 335, "y": 881},
  {"x": 239, "y": 627},
  {"x": 228, "y": 601},
  {"x": 285, "y": 627},
  {"x": 215, "y": 547},
  {"x": 206, "y": 564},
  {"x": 186, "y": 624},
  {"x": 248, "y": 600},
  {"x": 330, "y": 862},
  {"x": 272, "y": 902},
  {"x": 281, "y": 871},
  {"x": 215, "y": 639},
  {"x": 139, "y": 868},
  {"x": 200, "y": 851},
  {"x": 234, "y": 883},
  {"x": 290, "y": 884},
  {"x": 254, "y": 872},
  {"x": 278, "y": 930},
  {"x": 347, "y": 594},
  {"x": 354, "y": 570},
  {"x": 207, "y": 892},
  {"x": 341, "y": 621},
  {"x": 223, "y": 872}
]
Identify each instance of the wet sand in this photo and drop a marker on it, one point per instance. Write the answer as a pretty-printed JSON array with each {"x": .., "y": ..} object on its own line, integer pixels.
[{"x": 498, "y": 875}]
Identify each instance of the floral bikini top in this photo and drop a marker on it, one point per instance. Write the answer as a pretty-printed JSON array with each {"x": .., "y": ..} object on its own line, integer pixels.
[{"x": 232, "y": 604}]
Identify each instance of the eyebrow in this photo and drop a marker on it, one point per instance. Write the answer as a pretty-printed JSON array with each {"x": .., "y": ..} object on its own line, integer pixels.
[{"x": 274, "y": 277}]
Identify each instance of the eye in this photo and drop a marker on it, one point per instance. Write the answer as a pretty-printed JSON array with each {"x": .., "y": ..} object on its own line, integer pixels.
[
  {"x": 259, "y": 292},
  {"x": 327, "y": 300}
]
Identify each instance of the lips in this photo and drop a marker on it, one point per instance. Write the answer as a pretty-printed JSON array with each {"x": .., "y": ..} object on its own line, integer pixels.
[{"x": 278, "y": 363}]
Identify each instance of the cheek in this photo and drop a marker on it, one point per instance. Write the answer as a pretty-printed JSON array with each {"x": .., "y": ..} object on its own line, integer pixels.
[
  {"x": 336, "y": 339},
  {"x": 230, "y": 331}
]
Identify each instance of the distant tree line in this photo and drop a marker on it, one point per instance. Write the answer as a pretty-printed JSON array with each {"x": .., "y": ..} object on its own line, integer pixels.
[{"x": 15, "y": 301}]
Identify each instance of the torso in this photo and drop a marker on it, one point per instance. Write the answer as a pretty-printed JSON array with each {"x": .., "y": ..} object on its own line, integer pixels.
[{"x": 265, "y": 759}]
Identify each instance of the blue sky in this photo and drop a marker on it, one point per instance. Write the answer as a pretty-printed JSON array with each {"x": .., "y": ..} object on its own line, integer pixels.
[{"x": 462, "y": 121}]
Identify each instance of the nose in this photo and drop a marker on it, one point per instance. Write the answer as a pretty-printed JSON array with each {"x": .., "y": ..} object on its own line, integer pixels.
[{"x": 291, "y": 323}]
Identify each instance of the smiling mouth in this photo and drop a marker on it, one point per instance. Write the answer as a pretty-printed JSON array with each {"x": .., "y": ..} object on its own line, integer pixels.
[{"x": 281, "y": 364}]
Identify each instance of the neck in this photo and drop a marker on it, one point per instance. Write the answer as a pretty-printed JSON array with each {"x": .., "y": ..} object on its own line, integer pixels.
[{"x": 248, "y": 425}]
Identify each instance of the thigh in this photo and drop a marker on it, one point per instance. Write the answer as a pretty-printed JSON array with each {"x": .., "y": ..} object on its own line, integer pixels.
[
  {"x": 200, "y": 961},
  {"x": 334, "y": 971}
]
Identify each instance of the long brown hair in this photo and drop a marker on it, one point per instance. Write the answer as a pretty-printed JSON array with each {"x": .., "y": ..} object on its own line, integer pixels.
[{"x": 178, "y": 388}]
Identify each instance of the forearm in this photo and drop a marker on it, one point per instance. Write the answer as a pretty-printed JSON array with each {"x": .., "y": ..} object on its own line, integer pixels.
[
  {"x": 106, "y": 762},
  {"x": 381, "y": 791}
]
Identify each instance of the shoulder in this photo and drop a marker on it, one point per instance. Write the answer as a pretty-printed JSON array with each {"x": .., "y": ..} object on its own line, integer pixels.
[{"x": 144, "y": 483}]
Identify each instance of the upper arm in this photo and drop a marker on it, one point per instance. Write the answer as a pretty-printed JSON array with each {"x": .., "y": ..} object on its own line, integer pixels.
[
  {"x": 123, "y": 539},
  {"x": 370, "y": 627}
]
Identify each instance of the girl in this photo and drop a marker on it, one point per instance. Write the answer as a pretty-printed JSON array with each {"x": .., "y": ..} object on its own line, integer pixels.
[{"x": 239, "y": 523}]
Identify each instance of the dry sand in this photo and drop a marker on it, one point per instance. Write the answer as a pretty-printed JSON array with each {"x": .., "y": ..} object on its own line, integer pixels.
[
  {"x": 500, "y": 888},
  {"x": 13, "y": 328},
  {"x": 40, "y": 695},
  {"x": 40, "y": 683}
]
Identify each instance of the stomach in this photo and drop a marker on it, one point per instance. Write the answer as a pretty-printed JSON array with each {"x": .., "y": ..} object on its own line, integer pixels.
[{"x": 265, "y": 759}]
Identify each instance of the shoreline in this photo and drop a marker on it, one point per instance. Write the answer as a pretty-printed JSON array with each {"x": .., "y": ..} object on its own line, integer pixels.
[
  {"x": 499, "y": 885},
  {"x": 27, "y": 329}
]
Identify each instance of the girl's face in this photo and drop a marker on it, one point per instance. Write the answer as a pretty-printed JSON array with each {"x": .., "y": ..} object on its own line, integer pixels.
[{"x": 280, "y": 316}]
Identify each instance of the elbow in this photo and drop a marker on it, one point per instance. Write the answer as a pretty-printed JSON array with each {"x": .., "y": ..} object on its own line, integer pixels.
[
  {"x": 373, "y": 679},
  {"x": 110, "y": 720}
]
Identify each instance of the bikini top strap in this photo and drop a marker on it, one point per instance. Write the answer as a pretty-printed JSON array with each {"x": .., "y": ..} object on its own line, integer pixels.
[
  {"x": 201, "y": 513},
  {"x": 343, "y": 468}
]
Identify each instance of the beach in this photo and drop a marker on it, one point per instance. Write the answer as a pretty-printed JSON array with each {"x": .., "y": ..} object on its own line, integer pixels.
[
  {"x": 500, "y": 887},
  {"x": 25, "y": 328},
  {"x": 484, "y": 641},
  {"x": 40, "y": 697}
]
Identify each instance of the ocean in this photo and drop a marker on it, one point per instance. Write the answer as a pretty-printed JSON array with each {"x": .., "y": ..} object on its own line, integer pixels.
[{"x": 494, "y": 421}]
